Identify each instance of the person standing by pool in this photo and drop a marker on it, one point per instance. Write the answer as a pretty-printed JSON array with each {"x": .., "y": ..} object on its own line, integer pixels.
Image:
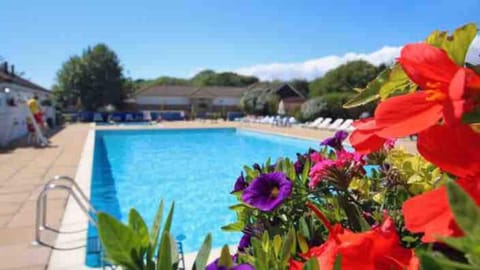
[{"x": 36, "y": 111}]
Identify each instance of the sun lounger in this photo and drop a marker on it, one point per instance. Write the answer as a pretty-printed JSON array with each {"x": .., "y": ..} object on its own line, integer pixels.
[
  {"x": 335, "y": 124},
  {"x": 128, "y": 117},
  {"x": 291, "y": 121},
  {"x": 97, "y": 117},
  {"x": 314, "y": 123},
  {"x": 147, "y": 116},
  {"x": 346, "y": 125},
  {"x": 324, "y": 123}
]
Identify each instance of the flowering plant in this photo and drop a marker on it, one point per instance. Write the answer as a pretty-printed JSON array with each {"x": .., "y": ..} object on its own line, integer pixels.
[{"x": 377, "y": 206}]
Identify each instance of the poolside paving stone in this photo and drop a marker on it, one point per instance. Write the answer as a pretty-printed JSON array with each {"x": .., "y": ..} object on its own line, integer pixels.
[{"x": 24, "y": 171}]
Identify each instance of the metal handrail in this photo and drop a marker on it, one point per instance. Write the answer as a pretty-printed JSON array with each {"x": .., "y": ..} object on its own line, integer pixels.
[{"x": 41, "y": 211}]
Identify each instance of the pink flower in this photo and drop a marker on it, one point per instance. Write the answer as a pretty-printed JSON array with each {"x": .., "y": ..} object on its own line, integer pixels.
[
  {"x": 320, "y": 170},
  {"x": 316, "y": 157}
]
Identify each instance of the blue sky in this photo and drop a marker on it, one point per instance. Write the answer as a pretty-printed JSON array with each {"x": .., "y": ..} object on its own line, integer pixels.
[{"x": 259, "y": 37}]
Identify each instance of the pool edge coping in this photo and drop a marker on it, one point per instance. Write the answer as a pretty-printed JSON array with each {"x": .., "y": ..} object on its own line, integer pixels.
[{"x": 73, "y": 217}]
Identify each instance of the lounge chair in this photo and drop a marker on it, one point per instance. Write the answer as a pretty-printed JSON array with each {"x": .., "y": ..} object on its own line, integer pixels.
[
  {"x": 147, "y": 116},
  {"x": 346, "y": 125},
  {"x": 291, "y": 121},
  {"x": 128, "y": 117},
  {"x": 97, "y": 117},
  {"x": 314, "y": 123},
  {"x": 338, "y": 122},
  {"x": 324, "y": 123}
]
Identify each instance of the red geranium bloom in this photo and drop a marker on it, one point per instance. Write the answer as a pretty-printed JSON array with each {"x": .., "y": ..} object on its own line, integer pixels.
[
  {"x": 454, "y": 149},
  {"x": 377, "y": 249},
  {"x": 430, "y": 213},
  {"x": 443, "y": 85},
  {"x": 364, "y": 138}
]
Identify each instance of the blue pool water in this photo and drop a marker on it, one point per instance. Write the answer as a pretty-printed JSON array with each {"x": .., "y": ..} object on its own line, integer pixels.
[{"x": 195, "y": 168}]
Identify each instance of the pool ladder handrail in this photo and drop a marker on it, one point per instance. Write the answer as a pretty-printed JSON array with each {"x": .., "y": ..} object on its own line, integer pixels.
[{"x": 41, "y": 211}]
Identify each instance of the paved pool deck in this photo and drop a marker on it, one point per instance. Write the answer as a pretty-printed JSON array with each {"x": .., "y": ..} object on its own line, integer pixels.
[{"x": 24, "y": 171}]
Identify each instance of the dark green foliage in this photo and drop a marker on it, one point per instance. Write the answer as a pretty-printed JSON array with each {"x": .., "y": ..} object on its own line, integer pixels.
[
  {"x": 260, "y": 102},
  {"x": 354, "y": 74},
  {"x": 203, "y": 78},
  {"x": 331, "y": 105},
  {"x": 211, "y": 78},
  {"x": 301, "y": 85},
  {"x": 95, "y": 79},
  {"x": 163, "y": 80},
  {"x": 313, "y": 108}
]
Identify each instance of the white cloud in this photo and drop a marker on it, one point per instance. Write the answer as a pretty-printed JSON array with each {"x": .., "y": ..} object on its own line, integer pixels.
[{"x": 314, "y": 68}]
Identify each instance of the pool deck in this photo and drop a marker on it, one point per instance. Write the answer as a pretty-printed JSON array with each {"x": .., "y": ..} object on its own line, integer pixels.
[{"x": 25, "y": 170}]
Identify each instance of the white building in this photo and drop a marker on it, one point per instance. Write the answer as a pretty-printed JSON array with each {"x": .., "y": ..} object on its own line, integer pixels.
[
  {"x": 13, "y": 109},
  {"x": 189, "y": 99}
]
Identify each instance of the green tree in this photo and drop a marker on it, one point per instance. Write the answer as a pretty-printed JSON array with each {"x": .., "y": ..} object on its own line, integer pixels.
[
  {"x": 95, "y": 78},
  {"x": 211, "y": 78},
  {"x": 301, "y": 85},
  {"x": 346, "y": 77}
]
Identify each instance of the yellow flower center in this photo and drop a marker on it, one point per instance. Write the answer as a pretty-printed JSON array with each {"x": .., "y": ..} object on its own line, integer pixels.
[
  {"x": 274, "y": 192},
  {"x": 435, "y": 95}
]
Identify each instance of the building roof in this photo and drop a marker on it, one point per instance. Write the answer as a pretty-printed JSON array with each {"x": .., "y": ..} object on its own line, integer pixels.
[
  {"x": 15, "y": 79},
  {"x": 275, "y": 87},
  {"x": 192, "y": 91},
  {"x": 167, "y": 91}
]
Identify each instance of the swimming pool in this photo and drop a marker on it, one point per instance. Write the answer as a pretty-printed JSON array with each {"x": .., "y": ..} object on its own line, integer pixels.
[{"x": 196, "y": 168}]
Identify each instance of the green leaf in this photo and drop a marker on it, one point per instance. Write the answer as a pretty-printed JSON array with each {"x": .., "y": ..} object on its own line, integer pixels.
[
  {"x": 173, "y": 251},
  {"x": 164, "y": 259},
  {"x": 288, "y": 245},
  {"x": 225, "y": 259},
  {"x": 117, "y": 239},
  {"x": 306, "y": 171},
  {"x": 168, "y": 221},
  {"x": 304, "y": 227},
  {"x": 234, "y": 227},
  {"x": 302, "y": 243},
  {"x": 154, "y": 234},
  {"x": 311, "y": 264},
  {"x": 137, "y": 224},
  {"x": 202, "y": 255},
  {"x": 277, "y": 243},
  {"x": 465, "y": 210},
  {"x": 338, "y": 263},
  {"x": 438, "y": 261},
  {"x": 436, "y": 38},
  {"x": 371, "y": 91},
  {"x": 398, "y": 82},
  {"x": 458, "y": 44},
  {"x": 472, "y": 117}
]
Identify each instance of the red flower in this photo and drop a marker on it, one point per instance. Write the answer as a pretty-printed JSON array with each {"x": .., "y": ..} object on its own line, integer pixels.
[
  {"x": 378, "y": 248},
  {"x": 364, "y": 138},
  {"x": 443, "y": 97},
  {"x": 430, "y": 213},
  {"x": 454, "y": 149}
]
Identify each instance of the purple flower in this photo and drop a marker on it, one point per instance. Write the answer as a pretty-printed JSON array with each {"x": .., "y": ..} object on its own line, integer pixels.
[
  {"x": 267, "y": 191},
  {"x": 300, "y": 163},
  {"x": 244, "y": 242},
  {"x": 214, "y": 266},
  {"x": 240, "y": 184},
  {"x": 257, "y": 167},
  {"x": 336, "y": 140}
]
